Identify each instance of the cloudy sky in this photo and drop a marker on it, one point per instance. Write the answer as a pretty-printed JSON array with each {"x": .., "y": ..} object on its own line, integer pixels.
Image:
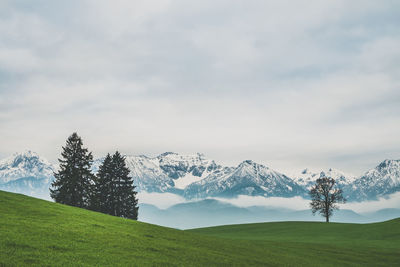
[{"x": 290, "y": 84}]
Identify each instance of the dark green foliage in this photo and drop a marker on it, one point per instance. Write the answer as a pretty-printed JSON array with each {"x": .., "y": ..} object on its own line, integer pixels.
[
  {"x": 324, "y": 196},
  {"x": 73, "y": 182},
  {"x": 103, "y": 187},
  {"x": 111, "y": 191},
  {"x": 124, "y": 197},
  {"x": 115, "y": 193}
]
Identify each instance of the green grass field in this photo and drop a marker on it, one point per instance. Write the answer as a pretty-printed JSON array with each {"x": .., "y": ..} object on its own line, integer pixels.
[{"x": 37, "y": 232}]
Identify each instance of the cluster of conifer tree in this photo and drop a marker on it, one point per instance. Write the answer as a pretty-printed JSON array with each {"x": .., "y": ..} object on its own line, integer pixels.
[{"x": 110, "y": 191}]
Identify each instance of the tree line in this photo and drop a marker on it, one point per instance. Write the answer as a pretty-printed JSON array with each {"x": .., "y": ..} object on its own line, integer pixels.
[{"x": 110, "y": 191}]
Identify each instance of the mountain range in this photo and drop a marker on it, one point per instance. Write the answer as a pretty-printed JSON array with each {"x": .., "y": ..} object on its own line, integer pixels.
[
  {"x": 196, "y": 177},
  {"x": 26, "y": 173}
]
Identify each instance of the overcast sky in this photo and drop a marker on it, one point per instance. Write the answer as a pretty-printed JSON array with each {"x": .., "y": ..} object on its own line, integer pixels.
[{"x": 290, "y": 84}]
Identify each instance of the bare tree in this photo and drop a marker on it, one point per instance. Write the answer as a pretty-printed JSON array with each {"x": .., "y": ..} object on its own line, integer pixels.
[{"x": 325, "y": 196}]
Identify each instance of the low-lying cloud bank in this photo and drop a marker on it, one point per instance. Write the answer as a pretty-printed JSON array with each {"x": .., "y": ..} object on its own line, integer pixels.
[
  {"x": 295, "y": 203},
  {"x": 160, "y": 200},
  {"x": 393, "y": 201},
  {"x": 166, "y": 200},
  {"x": 299, "y": 203}
]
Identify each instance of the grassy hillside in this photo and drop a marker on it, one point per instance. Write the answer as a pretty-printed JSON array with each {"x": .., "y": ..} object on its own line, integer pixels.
[
  {"x": 37, "y": 232},
  {"x": 378, "y": 235},
  {"x": 336, "y": 243}
]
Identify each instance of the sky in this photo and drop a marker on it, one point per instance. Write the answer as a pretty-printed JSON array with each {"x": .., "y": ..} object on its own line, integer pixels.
[{"x": 289, "y": 84}]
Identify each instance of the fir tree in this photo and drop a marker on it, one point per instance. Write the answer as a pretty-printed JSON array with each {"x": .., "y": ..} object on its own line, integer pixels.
[
  {"x": 124, "y": 202},
  {"x": 73, "y": 181},
  {"x": 101, "y": 199}
]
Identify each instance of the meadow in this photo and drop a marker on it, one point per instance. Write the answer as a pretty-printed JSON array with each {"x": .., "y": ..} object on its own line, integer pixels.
[{"x": 35, "y": 232}]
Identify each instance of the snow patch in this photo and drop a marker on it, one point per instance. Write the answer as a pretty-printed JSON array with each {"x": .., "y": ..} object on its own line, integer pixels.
[{"x": 183, "y": 182}]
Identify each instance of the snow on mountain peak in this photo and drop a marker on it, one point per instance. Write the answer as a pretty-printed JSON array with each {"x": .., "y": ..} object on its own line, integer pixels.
[
  {"x": 28, "y": 159},
  {"x": 175, "y": 158},
  {"x": 387, "y": 170},
  {"x": 249, "y": 167},
  {"x": 308, "y": 177},
  {"x": 388, "y": 164},
  {"x": 26, "y": 164},
  {"x": 195, "y": 176},
  {"x": 248, "y": 162},
  {"x": 248, "y": 178},
  {"x": 382, "y": 180},
  {"x": 246, "y": 168},
  {"x": 167, "y": 172}
]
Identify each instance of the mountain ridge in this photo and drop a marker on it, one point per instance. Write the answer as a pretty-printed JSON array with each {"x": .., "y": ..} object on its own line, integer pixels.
[{"x": 197, "y": 177}]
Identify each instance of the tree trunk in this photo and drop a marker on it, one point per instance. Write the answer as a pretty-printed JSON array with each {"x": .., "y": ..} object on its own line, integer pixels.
[{"x": 327, "y": 218}]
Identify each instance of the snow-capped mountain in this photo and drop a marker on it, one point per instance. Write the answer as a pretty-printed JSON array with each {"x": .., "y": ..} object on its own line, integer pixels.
[
  {"x": 249, "y": 178},
  {"x": 26, "y": 173},
  {"x": 381, "y": 181},
  {"x": 168, "y": 172},
  {"x": 308, "y": 177},
  {"x": 194, "y": 177}
]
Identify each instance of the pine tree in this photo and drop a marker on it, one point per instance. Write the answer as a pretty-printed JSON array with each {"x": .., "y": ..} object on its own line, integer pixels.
[
  {"x": 124, "y": 201},
  {"x": 101, "y": 199},
  {"x": 114, "y": 192},
  {"x": 73, "y": 182}
]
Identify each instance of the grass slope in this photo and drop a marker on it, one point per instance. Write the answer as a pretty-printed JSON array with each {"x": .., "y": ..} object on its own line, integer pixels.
[
  {"x": 376, "y": 244},
  {"x": 37, "y": 232}
]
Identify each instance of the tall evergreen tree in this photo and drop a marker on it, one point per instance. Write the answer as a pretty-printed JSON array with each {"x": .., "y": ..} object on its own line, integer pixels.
[
  {"x": 124, "y": 201},
  {"x": 73, "y": 182},
  {"x": 114, "y": 191},
  {"x": 103, "y": 188}
]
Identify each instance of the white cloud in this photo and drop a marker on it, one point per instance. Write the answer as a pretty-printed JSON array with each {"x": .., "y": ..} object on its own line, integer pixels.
[
  {"x": 295, "y": 203},
  {"x": 165, "y": 200},
  {"x": 160, "y": 200},
  {"x": 392, "y": 201}
]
